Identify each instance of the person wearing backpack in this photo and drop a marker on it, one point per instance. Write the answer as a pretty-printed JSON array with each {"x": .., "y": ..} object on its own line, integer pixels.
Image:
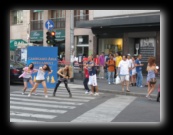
[{"x": 111, "y": 69}]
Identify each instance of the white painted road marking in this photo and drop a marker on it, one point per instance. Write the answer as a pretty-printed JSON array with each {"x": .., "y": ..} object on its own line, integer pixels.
[
  {"x": 106, "y": 111},
  {"x": 43, "y": 116}
]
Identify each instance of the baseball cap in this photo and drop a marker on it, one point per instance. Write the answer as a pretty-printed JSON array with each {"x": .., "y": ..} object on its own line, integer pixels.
[{"x": 128, "y": 54}]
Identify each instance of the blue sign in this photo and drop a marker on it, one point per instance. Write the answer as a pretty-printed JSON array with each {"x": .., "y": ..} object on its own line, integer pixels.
[
  {"x": 49, "y": 24},
  {"x": 40, "y": 56}
]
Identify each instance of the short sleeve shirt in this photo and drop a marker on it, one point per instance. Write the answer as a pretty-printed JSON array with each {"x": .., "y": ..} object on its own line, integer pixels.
[
  {"x": 138, "y": 68},
  {"x": 91, "y": 70}
]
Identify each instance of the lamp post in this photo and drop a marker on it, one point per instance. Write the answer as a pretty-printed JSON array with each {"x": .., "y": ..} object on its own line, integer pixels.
[
  {"x": 28, "y": 33},
  {"x": 72, "y": 42}
]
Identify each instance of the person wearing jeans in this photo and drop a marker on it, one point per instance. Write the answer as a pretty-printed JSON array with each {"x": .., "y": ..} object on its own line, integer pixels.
[
  {"x": 138, "y": 65},
  {"x": 139, "y": 79},
  {"x": 101, "y": 64},
  {"x": 111, "y": 69}
]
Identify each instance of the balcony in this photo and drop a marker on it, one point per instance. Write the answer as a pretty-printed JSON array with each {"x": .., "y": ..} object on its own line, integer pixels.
[
  {"x": 59, "y": 22},
  {"x": 80, "y": 18},
  {"x": 36, "y": 25}
]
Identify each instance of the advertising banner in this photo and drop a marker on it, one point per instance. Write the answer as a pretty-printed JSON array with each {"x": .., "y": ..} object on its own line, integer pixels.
[{"x": 40, "y": 56}]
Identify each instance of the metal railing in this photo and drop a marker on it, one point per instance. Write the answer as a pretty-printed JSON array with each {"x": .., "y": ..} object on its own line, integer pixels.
[
  {"x": 80, "y": 18},
  {"x": 58, "y": 22},
  {"x": 36, "y": 25}
]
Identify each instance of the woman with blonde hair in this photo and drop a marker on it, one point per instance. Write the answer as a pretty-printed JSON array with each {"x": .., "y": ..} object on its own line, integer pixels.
[
  {"x": 151, "y": 76},
  {"x": 64, "y": 74}
]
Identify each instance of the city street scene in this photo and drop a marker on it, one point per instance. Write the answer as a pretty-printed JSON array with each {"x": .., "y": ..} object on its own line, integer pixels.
[{"x": 85, "y": 66}]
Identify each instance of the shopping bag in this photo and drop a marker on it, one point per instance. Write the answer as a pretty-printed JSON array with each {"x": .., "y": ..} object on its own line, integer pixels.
[{"x": 118, "y": 81}]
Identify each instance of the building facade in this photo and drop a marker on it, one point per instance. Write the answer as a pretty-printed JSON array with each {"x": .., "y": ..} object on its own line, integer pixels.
[
  {"x": 126, "y": 31},
  {"x": 95, "y": 31}
]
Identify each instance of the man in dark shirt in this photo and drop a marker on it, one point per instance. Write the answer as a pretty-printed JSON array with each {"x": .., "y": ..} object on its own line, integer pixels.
[
  {"x": 139, "y": 71},
  {"x": 92, "y": 76}
]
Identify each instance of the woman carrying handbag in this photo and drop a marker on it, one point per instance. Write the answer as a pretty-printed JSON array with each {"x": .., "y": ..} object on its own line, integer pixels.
[{"x": 151, "y": 76}]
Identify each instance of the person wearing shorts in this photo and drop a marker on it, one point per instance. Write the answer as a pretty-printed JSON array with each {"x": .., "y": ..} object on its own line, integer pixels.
[
  {"x": 92, "y": 76},
  {"x": 123, "y": 70},
  {"x": 41, "y": 79},
  {"x": 27, "y": 76}
]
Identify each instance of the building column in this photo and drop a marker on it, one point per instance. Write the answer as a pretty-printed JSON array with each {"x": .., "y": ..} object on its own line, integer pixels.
[
  {"x": 158, "y": 48},
  {"x": 67, "y": 36},
  {"x": 125, "y": 49},
  {"x": 45, "y": 18},
  {"x": 92, "y": 44}
]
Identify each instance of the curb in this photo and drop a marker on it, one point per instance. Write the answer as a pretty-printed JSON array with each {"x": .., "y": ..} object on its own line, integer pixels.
[{"x": 127, "y": 93}]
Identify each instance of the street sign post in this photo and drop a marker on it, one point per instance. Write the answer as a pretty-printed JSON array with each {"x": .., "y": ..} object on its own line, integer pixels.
[{"x": 49, "y": 24}]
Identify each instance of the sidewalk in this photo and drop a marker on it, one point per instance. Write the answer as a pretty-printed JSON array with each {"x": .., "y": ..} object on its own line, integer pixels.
[{"x": 135, "y": 91}]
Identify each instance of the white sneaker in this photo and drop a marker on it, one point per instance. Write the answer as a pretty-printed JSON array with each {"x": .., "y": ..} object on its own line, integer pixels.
[
  {"x": 46, "y": 96},
  {"x": 148, "y": 97},
  {"x": 109, "y": 83},
  {"x": 23, "y": 93},
  {"x": 35, "y": 93},
  {"x": 29, "y": 95},
  {"x": 96, "y": 94},
  {"x": 86, "y": 92},
  {"x": 91, "y": 93}
]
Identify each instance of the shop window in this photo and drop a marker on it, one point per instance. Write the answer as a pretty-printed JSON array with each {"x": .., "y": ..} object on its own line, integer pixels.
[
  {"x": 17, "y": 16},
  {"x": 82, "y": 40},
  {"x": 110, "y": 45}
]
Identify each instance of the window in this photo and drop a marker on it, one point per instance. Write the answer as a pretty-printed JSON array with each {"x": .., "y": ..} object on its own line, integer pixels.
[
  {"x": 82, "y": 40},
  {"x": 38, "y": 16},
  {"x": 57, "y": 13},
  {"x": 17, "y": 16},
  {"x": 58, "y": 17},
  {"x": 81, "y": 14}
]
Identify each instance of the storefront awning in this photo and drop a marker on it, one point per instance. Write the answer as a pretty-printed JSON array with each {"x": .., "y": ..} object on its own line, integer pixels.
[
  {"x": 15, "y": 42},
  {"x": 120, "y": 22}
]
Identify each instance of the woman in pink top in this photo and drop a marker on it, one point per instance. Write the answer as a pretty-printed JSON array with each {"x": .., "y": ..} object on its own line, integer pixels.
[{"x": 27, "y": 76}]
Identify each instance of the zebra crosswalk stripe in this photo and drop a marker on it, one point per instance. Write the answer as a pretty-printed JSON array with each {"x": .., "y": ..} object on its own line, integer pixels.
[
  {"x": 37, "y": 109},
  {"x": 45, "y": 101},
  {"x": 22, "y": 120},
  {"x": 42, "y": 105},
  {"x": 50, "y": 98},
  {"x": 43, "y": 116}
]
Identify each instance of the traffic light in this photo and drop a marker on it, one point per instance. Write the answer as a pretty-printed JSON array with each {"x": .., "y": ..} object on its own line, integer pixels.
[{"x": 50, "y": 38}]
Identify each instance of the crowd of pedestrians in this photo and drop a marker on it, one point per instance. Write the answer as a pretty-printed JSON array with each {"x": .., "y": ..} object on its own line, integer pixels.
[{"x": 128, "y": 68}]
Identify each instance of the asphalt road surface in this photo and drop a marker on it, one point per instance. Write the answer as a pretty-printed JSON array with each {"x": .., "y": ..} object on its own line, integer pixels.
[{"x": 81, "y": 108}]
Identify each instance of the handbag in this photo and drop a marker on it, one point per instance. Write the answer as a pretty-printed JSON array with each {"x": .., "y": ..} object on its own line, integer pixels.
[{"x": 153, "y": 81}]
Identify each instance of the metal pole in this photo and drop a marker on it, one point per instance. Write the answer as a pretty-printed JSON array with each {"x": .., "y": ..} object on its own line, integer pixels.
[{"x": 72, "y": 42}]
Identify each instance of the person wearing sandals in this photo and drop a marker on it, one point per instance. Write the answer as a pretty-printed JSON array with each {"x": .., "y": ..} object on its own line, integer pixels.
[
  {"x": 152, "y": 70},
  {"x": 123, "y": 70}
]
